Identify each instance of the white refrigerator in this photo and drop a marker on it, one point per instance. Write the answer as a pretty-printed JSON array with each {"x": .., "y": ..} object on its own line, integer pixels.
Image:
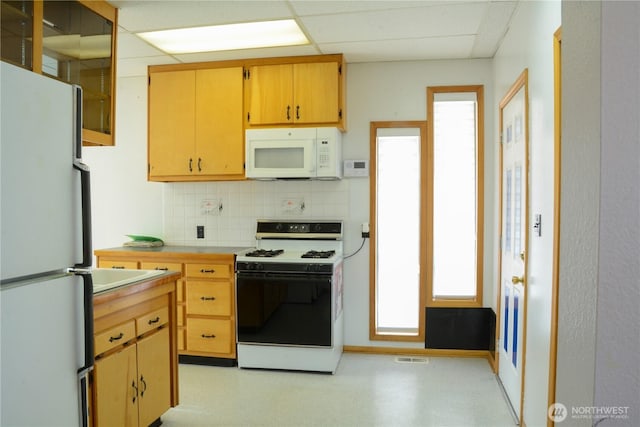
[{"x": 46, "y": 298}]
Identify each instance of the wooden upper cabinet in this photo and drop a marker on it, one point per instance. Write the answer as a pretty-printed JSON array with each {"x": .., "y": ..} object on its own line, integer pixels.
[
  {"x": 219, "y": 130},
  {"x": 195, "y": 125},
  {"x": 171, "y": 123},
  {"x": 72, "y": 41},
  {"x": 301, "y": 93}
]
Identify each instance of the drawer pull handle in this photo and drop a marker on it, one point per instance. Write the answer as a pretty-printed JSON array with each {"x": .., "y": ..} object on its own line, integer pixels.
[
  {"x": 207, "y": 336},
  {"x": 144, "y": 383},
  {"x": 207, "y": 271},
  {"x": 119, "y": 337},
  {"x": 156, "y": 320},
  {"x": 162, "y": 268},
  {"x": 207, "y": 298},
  {"x": 117, "y": 267}
]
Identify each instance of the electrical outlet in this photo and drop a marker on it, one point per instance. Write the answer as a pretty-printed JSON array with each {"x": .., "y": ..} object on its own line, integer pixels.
[
  {"x": 365, "y": 230},
  {"x": 200, "y": 231}
]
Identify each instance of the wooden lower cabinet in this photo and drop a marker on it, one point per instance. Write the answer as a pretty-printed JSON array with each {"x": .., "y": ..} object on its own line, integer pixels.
[
  {"x": 205, "y": 296},
  {"x": 133, "y": 385},
  {"x": 135, "y": 375}
]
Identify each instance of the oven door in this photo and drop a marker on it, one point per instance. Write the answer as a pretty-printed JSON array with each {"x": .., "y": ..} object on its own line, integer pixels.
[{"x": 284, "y": 308}]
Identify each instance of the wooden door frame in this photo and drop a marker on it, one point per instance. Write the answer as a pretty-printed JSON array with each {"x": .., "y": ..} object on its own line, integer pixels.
[
  {"x": 521, "y": 82},
  {"x": 557, "y": 151}
]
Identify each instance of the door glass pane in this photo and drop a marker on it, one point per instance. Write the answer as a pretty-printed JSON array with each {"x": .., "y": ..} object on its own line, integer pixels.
[
  {"x": 454, "y": 198},
  {"x": 398, "y": 233},
  {"x": 16, "y": 25},
  {"x": 77, "y": 49}
]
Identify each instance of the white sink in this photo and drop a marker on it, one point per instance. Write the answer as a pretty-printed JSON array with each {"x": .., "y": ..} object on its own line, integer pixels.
[{"x": 109, "y": 278}]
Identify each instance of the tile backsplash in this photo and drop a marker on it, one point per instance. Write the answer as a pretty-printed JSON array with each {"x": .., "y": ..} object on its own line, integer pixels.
[{"x": 229, "y": 210}]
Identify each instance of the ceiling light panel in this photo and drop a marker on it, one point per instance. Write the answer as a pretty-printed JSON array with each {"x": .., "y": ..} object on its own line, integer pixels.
[{"x": 248, "y": 35}]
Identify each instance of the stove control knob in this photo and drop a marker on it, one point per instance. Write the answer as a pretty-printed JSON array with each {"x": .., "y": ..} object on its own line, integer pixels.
[{"x": 259, "y": 266}]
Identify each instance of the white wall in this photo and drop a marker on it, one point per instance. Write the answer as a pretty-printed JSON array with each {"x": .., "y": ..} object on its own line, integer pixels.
[
  {"x": 122, "y": 200},
  {"x": 579, "y": 205},
  {"x": 598, "y": 339},
  {"x": 617, "y": 381},
  {"x": 529, "y": 44},
  {"x": 397, "y": 91}
]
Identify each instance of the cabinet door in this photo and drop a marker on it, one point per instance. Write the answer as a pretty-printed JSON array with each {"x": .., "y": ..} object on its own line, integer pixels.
[
  {"x": 78, "y": 46},
  {"x": 171, "y": 123},
  {"x": 219, "y": 127},
  {"x": 154, "y": 376},
  {"x": 116, "y": 385},
  {"x": 271, "y": 94},
  {"x": 315, "y": 88}
]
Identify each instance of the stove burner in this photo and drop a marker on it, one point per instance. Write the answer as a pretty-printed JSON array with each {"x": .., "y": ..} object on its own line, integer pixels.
[
  {"x": 264, "y": 253},
  {"x": 318, "y": 254}
]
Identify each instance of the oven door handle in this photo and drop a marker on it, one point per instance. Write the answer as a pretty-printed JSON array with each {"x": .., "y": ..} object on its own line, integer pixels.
[{"x": 281, "y": 275}]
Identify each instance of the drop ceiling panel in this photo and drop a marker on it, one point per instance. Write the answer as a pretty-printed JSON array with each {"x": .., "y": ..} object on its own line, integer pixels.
[
  {"x": 400, "y": 50},
  {"x": 364, "y": 30},
  {"x": 419, "y": 22},
  {"x": 493, "y": 28},
  {"x": 132, "y": 46},
  {"x": 137, "y": 16}
]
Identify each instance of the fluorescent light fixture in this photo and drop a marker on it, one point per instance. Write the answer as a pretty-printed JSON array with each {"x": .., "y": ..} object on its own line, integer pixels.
[{"x": 227, "y": 37}]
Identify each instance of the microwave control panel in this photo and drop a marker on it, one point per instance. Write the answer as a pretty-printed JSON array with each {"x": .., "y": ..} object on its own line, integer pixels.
[{"x": 324, "y": 154}]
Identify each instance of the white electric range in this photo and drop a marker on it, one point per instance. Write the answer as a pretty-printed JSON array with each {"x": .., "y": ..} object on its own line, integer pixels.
[{"x": 289, "y": 297}]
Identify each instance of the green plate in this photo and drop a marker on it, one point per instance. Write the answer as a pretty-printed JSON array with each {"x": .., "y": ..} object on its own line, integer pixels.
[{"x": 137, "y": 238}]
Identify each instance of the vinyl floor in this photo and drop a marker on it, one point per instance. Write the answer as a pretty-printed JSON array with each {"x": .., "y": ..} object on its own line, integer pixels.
[{"x": 366, "y": 390}]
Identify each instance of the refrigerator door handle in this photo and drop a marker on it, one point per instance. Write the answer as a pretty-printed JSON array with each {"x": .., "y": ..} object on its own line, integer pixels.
[
  {"x": 83, "y": 372},
  {"x": 85, "y": 183},
  {"x": 88, "y": 320}
]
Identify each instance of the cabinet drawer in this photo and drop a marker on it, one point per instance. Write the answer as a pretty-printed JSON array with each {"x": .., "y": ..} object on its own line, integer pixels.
[
  {"x": 209, "y": 298},
  {"x": 209, "y": 335},
  {"x": 165, "y": 266},
  {"x": 115, "y": 263},
  {"x": 211, "y": 271},
  {"x": 114, "y": 337},
  {"x": 152, "y": 320}
]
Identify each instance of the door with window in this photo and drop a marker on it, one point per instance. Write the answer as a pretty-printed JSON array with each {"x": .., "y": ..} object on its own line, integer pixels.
[{"x": 513, "y": 257}]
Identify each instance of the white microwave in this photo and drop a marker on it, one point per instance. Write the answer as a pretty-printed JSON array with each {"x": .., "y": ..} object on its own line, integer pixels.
[{"x": 294, "y": 153}]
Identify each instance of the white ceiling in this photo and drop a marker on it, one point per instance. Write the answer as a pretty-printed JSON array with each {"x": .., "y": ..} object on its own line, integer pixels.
[{"x": 364, "y": 31}]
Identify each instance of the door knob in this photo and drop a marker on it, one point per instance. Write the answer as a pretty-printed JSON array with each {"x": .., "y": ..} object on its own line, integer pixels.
[{"x": 515, "y": 280}]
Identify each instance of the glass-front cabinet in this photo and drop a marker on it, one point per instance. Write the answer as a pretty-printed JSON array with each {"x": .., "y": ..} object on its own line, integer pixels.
[
  {"x": 16, "y": 28},
  {"x": 75, "y": 43}
]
